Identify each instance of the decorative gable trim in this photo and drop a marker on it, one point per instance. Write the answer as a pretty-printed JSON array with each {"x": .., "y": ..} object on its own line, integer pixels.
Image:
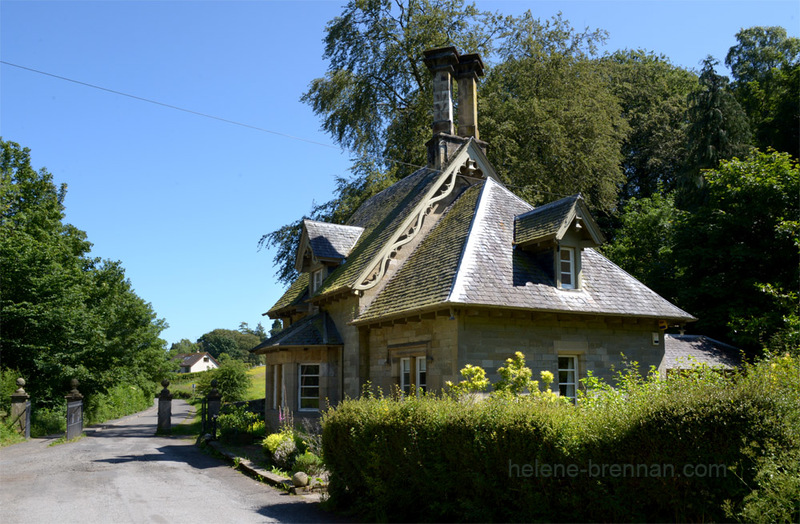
[{"x": 470, "y": 163}]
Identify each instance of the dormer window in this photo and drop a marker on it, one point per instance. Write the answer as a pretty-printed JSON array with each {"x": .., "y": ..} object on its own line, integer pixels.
[
  {"x": 567, "y": 267},
  {"x": 555, "y": 234},
  {"x": 316, "y": 279}
]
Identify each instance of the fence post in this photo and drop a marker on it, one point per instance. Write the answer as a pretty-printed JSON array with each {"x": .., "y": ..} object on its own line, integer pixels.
[
  {"x": 21, "y": 409},
  {"x": 164, "y": 409},
  {"x": 214, "y": 399},
  {"x": 74, "y": 411}
]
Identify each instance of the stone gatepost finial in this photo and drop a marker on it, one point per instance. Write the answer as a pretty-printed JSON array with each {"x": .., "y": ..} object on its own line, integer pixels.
[
  {"x": 20, "y": 392},
  {"x": 165, "y": 394},
  {"x": 74, "y": 394}
]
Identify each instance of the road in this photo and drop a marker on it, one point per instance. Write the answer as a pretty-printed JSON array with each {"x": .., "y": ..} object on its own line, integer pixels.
[{"x": 121, "y": 472}]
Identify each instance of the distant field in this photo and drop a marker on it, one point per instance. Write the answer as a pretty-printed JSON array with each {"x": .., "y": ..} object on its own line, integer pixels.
[
  {"x": 255, "y": 391},
  {"x": 258, "y": 379}
]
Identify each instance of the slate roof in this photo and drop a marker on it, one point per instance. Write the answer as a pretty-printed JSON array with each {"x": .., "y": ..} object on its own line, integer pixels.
[
  {"x": 427, "y": 277},
  {"x": 490, "y": 272},
  {"x": 331, "y": 240},
  {"x": 380, "y": 216},
  {"x": 544, "y": 221},
  {"x": 314, "y": 330},
  {"x": 683, "y": 351},
  {"x": 296, "y": 294}
]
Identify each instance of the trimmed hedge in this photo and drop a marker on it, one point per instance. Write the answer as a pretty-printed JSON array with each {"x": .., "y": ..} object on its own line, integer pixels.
[{"x": 694, "y": 447}]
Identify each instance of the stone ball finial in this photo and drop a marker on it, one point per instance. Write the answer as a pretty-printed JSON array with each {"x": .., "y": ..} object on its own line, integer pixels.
[
  {"x": 214, "y": 383},
  {"x": 74, "y": 383},
  {"x": 20, "y": 387},
  {"x": 165, "y": 383}
]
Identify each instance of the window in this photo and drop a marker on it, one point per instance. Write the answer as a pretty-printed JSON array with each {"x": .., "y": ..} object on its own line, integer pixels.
[
  {"x": 308, "y": 393},
  {"x": 316, "y": 280},
  {"x": 419, "y": 372},
  {"x": 567, "y": 267},
  {"x": 568, "y": 376}
]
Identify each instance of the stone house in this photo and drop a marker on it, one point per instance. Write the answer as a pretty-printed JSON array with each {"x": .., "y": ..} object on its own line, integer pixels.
[{"x": 447, "y": 267}]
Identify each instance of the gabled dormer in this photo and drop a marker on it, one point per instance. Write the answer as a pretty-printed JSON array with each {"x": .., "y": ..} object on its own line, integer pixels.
[
  {"x": 555, "y": 234},
  {"x": 322, "y": 248}
]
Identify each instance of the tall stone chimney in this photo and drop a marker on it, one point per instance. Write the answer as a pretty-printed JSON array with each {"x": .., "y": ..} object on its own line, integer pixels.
[
  {"x": 469, "y": 68},
  {"x": 445, "y": 64},
  {"x": 441, "y": 63}
]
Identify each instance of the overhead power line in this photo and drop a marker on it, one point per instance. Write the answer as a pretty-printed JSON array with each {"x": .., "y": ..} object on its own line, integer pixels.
[
  {"x": 170, "y": 106},
  {"x": 226, "y": 120}
]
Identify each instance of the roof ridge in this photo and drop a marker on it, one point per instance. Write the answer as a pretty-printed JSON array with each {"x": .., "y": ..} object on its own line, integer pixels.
[
  {"x": 469, "y": 244},
  {"x": 549, "y": 205}
]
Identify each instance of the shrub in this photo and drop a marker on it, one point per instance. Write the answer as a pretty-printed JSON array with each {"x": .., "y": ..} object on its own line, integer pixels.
[
  {"x": 236, "y": 423},
  {"x": 232, "y": 381},
  {"x": 425, "y": 458},
  {"x": 308, "y": 463}
]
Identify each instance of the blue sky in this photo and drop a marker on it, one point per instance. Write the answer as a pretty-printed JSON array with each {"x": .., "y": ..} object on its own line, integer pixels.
[{"x": 182, "y": 200}]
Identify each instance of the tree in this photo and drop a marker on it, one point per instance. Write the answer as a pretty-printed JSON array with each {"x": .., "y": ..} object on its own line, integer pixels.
[
  {"x": 64, "y": 314},
  {"x": 738, "y": 253},
  {"x": 375, "y": 98},
  {"x": 718, "y": 128},
  {"x": 766, "y": 74},
  {"x": 182, "y": 347},
  {"x": 644, "y": 243},
  {"x": 234, "y": 343},
  {"x": 653, "y": 96},
  {"x": 553, "y": 124}
]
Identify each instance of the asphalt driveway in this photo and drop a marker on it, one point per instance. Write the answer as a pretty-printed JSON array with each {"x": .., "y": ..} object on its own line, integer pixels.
[{"x": 121, "y": 472}]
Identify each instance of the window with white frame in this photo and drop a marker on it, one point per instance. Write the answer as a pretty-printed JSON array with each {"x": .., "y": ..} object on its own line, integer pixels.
[
  {"x": 568, "y": 376},
  {"x": 417, "y": 368},
  {"x": 316, "y": 280},
  {"x": 308, "y": 387},
  {"x": 567, "y": 267}
]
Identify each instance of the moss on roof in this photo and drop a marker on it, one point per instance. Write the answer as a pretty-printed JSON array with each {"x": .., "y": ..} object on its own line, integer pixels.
[
  {"x": 293, "y": 295},
  {"x": 380, "y": 216},
  {"x": 544, "y": 221},
  {"x": 426, "y": 278}
]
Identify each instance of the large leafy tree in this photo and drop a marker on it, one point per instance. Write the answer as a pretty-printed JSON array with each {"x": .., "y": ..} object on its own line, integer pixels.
[
  {"x": 65, "y": 314},
  {"x": 236, "y": 344},
  {"x": 653, "y": 96},
  {"x": 738, "y": 253},
  {"x": 375, "y": 98},
  {"x": 765, "y": 66},
  {"x": 644, "y": 243},
  {"x": 553, "y": 125}
]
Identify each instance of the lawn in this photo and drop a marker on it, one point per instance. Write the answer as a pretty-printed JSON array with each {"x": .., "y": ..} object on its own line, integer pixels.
[{"x": 258, "y": 378}]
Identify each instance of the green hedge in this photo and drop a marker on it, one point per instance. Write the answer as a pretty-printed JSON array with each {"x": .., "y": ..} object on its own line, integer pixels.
[{"x": 648, "y": 451}]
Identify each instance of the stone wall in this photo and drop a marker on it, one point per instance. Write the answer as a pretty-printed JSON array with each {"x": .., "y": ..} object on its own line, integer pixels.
[
  {"x": 435, "y": 338},
  {"x": 487, "y": 339}
]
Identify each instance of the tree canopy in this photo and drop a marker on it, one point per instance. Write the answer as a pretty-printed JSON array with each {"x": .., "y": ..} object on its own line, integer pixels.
[{"x": 65, "y": 314}]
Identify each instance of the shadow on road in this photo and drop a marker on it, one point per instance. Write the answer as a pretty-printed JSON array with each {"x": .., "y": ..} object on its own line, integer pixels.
[
  {"x": 294, "y": 512},
  {"x": 183, "y": 453}
]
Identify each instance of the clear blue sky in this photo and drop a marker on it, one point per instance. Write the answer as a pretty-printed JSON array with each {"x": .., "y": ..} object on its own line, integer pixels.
[{"x": 182, "y": 200}]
